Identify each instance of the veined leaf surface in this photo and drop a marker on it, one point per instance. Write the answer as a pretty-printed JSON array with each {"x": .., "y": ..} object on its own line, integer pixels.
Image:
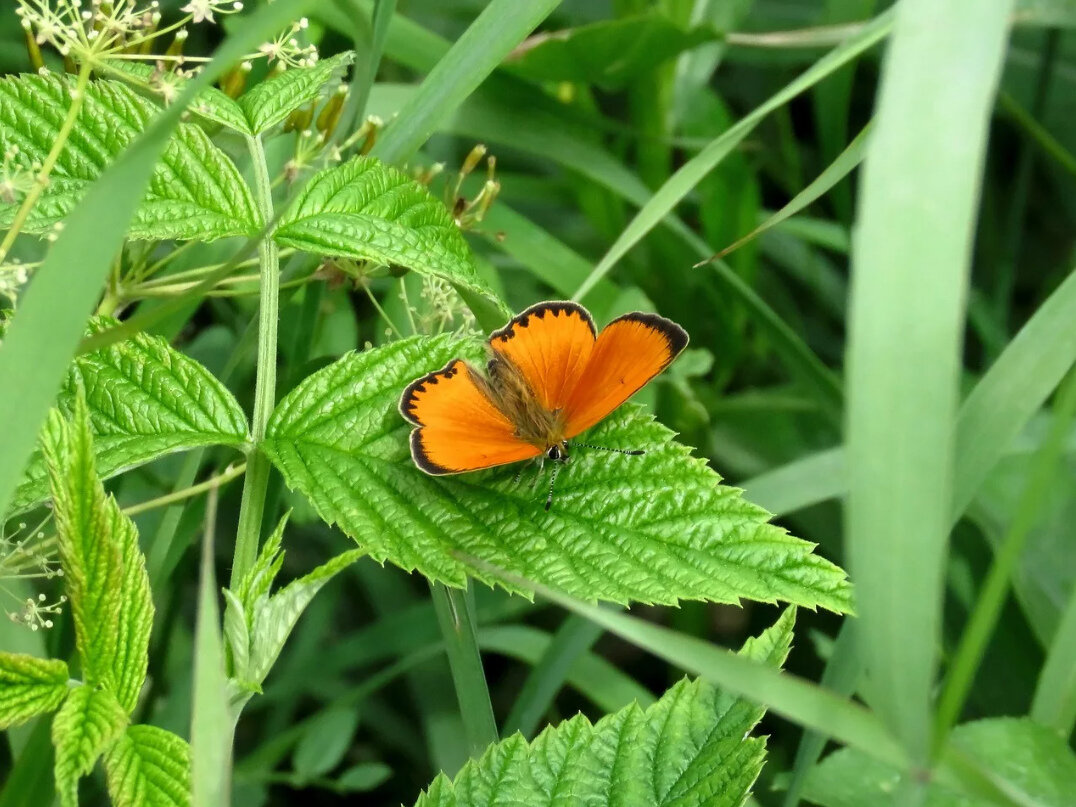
[
  {"x": 196, "y": 191},
  {"x": 104, "y": 570},
  {"x": 149, "y": 767},
  {"x": 29, "y": 686},
  {"x": 270, "y": 102},
  {"x": 87, "y": 725},
  {"x": 145, "y": 399},
  {"x": 691, "y": 747},
  {"x": 367, "y": 210}
]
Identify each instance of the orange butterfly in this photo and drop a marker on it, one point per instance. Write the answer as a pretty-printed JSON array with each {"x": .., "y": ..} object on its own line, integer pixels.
[{"x": 551, "y": 377}]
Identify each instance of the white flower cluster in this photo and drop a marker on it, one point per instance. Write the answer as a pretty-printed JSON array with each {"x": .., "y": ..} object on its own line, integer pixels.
[{"x": 28, "y": 554}]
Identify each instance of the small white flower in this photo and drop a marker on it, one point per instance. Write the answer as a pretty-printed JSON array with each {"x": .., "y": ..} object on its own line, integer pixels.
[{"x": 200, "y": 10}]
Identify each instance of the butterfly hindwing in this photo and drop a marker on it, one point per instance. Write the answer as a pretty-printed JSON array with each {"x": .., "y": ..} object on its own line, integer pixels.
[
  {"x": 457, "y": 426},
  {"x": 550, "y": 344},
  {"x": 630, "y": 351}
]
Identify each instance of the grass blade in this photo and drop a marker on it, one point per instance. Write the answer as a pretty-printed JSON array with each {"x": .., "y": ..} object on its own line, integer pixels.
[
  {"x": 911, "y": 258},
  {"x": 501, "y": 26},
  {"x": 1055, "y": 694},
  {"x": 212, "y": 725},
  {"x": 841, "y": 167},
  {"x": 680, "y": 184},
  {"x": 992, "y": 595},
  {"x": 53, "y": 312}
]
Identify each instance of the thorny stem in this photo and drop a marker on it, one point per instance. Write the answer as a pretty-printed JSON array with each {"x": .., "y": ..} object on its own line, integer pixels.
[
  {"x": 257, "y": 478},
  {"x": 42, "y": 180}
]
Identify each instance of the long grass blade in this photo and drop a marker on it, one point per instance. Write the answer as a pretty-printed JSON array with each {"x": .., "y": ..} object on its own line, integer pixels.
[
  {"x": 680, "y": 184},
  {"x": 501, "y": 26},
  {"x": 911, "y": 255},
  {"x": 1054, "y": 703}
]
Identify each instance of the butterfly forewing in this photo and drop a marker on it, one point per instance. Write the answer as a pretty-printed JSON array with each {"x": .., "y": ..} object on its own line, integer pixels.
[
  {"x": 550, "y": 345},
  {"x": 459, "y": 428},
  {"x": 630, "y": 351}
]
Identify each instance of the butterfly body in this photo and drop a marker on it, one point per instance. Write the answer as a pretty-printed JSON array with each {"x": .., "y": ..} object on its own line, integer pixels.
[{"x": 550, "y": 378}]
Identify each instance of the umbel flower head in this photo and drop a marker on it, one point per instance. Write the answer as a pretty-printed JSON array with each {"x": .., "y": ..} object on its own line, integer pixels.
[{"x": 97, "y": 31}]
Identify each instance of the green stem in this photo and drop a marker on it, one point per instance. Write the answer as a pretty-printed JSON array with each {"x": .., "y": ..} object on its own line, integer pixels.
[
  {"x": 455, "y": 615},
  {"x": 258, "y": 467}
]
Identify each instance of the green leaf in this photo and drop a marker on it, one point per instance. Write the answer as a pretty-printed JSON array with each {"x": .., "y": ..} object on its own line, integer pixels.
[
  {"x": 656, "y": 528},
  {"x": 104, "y": 570},
  {"x": 196, "y": 191},
  {"x": 1024, "y": 755},
  {"x": 149, "y": 767},
  {"x": 86, "y": 726},
  {"x": 29, "y": 686},
  {"x": 609, "y": 53},
  {"x": 209, "y": 104},
  {"x": 325, "y": 742},
  {"x": 691, "y": 747},
  {"x": 271, "y": 101},
  {"x": 53, "y": 311},
  {"x": 145, "y": 399},
  {"x": 366, "y": 210},
  {"x": 919, "y": 196},
  {"x": 363, "y": 777},
  {"x": 263, "y": 620}
]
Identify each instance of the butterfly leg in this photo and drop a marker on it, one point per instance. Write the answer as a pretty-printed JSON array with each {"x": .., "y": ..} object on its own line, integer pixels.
[
  {"x": 552, "y": 482},
  {"x": 538, "y": 473}
]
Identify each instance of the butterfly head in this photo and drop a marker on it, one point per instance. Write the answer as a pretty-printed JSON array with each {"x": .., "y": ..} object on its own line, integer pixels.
[{"x": 558, "y": 452}]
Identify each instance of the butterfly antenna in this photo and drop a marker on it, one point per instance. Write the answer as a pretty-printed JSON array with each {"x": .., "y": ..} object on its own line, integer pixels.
[
  {"x": 632, "y": 452},
  {"x": 552, "y": 482}
]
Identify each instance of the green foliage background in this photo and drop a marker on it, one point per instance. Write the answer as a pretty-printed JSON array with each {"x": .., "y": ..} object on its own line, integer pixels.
[{"x": 878, "y": 363}]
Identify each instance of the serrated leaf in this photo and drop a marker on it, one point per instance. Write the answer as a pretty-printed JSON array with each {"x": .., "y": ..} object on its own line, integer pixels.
[
  {"x": 29, "y": 686},
  {"x": 267, "y": 618},
  {"x": 210, "y": 104},
  {"x": 104, "y": 570},
  {"x": 1027, "y": 757},
  {"x": 196, "y": 191},
  {"x": 657, "y": 528},
  {"x": 609, "y": 53},
  {"x": 86, "y": 726},
  {"x": 149, "y": 767},
  {"x": 146, "y": 399},
  {"x": 690, "y": 748},
  {"x": 366, "y": 210},
  {"x": 271, "y": 101}
]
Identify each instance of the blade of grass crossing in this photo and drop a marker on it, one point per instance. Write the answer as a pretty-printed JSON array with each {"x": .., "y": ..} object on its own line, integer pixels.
[
  {"x": 501, "y": 26},
  {"x": 573, "y": 638},
  {"x": 995, "y": 412},
  {"x": 52, "y": 313},
  {"x": 680, "y": 184},
  {"x": 212, "y": 726},
  {"x": 911, "y": 258},
  {"x": 1054, "y": 703},
  {"x": 456, "y": 617},
  {"x": 842, "y": 675},
  {"x": 995, "y": 588}
]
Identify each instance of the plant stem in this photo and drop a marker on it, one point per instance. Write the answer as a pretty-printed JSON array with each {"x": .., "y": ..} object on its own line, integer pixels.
[
  {"x": 42, "y": 180},
  {"x": 455, "y": 615},
  {"x": 179, "y": 495},
  {"x": 258, "y": 467}
]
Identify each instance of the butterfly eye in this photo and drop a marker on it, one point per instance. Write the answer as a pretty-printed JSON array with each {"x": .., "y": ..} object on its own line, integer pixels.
[{"x": 553, "y": 452}]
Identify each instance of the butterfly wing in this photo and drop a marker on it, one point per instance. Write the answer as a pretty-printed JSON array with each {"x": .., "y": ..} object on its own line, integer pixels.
[
  {"x": 550, "y": 344},
  {"x": 630, "y": 351},
  {"x": 458, "y": 427}
]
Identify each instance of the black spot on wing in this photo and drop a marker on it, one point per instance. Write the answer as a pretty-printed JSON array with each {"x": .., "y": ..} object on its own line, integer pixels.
[
  {"x": 408, "y": 399},
  {"x": 554, "y": 308}
]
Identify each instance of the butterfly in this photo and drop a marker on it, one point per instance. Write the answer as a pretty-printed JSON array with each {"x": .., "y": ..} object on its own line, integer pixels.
[{"x": 551, "y": 376}]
